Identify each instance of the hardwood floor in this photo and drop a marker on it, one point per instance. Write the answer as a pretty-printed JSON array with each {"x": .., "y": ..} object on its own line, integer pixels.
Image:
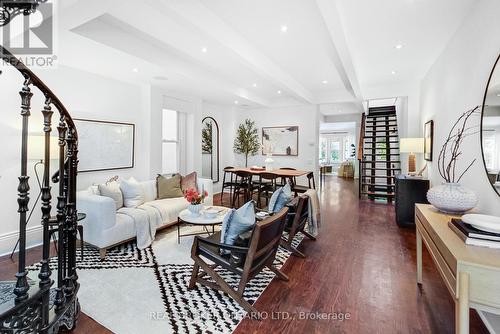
[{"x": 362, "y": 265}]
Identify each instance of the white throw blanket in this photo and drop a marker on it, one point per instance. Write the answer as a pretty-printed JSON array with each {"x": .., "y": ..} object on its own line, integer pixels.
[
  {"x": 146, "y": 219},
  {"x": 314, "y": 215}
]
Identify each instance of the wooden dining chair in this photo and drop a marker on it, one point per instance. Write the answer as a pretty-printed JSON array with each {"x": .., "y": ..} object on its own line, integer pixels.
[
  {"x": 311, "y": 184},
  {"x": 243, "y": 187},
  {"x": 267, "y": 185},
  {"x": 243, "y": 261},
  {"x": 291, "y": 179},
  {"x": 230, "y": 183},
  {"x": 295, "y": 223}
]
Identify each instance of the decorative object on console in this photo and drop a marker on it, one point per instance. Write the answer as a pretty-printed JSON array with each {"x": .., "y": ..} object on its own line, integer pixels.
[
  {"x": 411, "y": 146},
  {"x": 428, "y": 140},
  {"x": 473, "y": 236},
  {"x": 481, "y": 222},
  {"x": 247, "y": 140},
  {"x": 280, "y": 140},
  {"x": 195, "y": 200},
  {"x": 451, "y": 196},
  {"x": 269, "y": 162},
  {"x": 105, "y": 145},
  {"x": 210, "y": 149}
]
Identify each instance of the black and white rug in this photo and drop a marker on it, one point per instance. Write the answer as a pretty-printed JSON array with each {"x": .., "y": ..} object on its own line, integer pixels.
[{"x": 145, "y": 291}]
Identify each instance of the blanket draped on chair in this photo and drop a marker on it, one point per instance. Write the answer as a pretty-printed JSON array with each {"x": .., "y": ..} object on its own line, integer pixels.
[{"x": 314, "y": 216}]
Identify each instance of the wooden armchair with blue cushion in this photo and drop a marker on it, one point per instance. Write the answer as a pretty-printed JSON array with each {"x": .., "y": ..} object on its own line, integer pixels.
[{"x": 244, "y": 260}]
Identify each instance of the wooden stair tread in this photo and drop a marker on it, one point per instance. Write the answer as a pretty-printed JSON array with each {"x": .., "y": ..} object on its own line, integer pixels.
[
  {"x": 379, "y": 176},
  {"x": 381, "y": 161},
  {"x": 378, "y": 168},
  {"x": 377, "y": 194}
]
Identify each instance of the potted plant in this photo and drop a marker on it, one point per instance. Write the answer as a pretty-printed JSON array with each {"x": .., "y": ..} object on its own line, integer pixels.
[
  {"x": 450, "y": 196},
  {"x": 247, "y": 140},
  {"x": 195, "y": 200}
]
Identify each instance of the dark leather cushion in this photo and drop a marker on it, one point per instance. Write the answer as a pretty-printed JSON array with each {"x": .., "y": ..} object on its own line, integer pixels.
[{"x": 243, "y": 240}]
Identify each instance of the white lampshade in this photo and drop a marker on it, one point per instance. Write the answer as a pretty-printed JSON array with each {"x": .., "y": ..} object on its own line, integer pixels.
[
  {"x": 411, "y": 145},
  {"x": 36, "y": 147}
]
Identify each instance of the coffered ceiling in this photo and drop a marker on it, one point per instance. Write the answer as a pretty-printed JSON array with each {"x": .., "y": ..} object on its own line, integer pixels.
[{"x": 258, "y": 53}]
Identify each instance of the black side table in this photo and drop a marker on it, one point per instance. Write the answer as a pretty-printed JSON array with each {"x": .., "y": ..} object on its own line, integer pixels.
[
  {"x": 409, "y": 191},
  {"x": 53, "y": 228}
]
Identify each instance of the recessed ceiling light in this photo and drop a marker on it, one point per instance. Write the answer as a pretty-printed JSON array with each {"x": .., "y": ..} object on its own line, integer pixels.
[
  {"x": 204, "y": 50},
  {"x": 284, "y": 28},
  {"x": 135, "y": 69},
  {"x": 398, "y": 46},
  {"x": 160, "y": 77},
  {"x": 325, "y": 81},
  {"x": 393, "y": 72},
  {"x": 255, "y": 85},
  {"x": 340, "y": 110},
  {"x": 279, "y": 92},
  {"x": 498, "y": 94},
  {"x": 236, "y": 102}
]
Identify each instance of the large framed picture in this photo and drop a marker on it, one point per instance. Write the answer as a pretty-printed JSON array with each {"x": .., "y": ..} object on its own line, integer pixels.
[
  {"x": 280, "y": 140},
  {"x": 428, "y": 140},
  {"x": 104, "y": 145}
]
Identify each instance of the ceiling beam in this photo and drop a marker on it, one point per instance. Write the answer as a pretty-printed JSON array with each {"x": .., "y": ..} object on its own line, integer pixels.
[
  {"x": 198, "y": 15},
  {"x": 339, "y": 50}
]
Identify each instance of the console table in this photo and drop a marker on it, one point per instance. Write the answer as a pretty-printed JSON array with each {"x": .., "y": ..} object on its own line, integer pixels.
[{"x": 471, "y": 273}]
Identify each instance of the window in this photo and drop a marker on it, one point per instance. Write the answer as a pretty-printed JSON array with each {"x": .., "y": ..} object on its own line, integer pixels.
[
  {"x": 170, "y": 141},
  {"x": 335, "y": 148},
  {"x": 489, "y": 144}
]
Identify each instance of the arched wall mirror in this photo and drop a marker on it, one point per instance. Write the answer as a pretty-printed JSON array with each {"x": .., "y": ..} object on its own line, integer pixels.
[
  {"x": 210, "y": 149},
  {"x": 490, "y": 128}
]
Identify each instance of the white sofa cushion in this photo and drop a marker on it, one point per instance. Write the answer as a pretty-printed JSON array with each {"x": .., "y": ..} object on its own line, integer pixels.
[
  {"x": 133, "y": 193},
  {"x": 169, "y": 208},
  {"x": 149, "y": 188}
]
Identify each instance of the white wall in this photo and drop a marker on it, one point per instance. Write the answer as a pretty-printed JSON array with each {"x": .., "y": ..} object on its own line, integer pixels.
[
  {"x": 305, "y": 117},
  {"x": 455, "y": 83},
  {"x": 85, "y": 95}
]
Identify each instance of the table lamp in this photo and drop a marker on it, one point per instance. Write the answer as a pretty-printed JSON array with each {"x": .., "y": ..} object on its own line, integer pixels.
[{"x": 411, "y": 146}]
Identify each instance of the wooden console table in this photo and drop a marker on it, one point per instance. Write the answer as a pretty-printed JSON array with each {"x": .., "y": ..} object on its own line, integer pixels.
[{"x": 471, "y": 273}]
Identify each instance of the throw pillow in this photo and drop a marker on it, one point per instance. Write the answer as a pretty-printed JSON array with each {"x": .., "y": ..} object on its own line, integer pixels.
[
  {"x": 169, "y": 187},
  {"x": 133, "y": 194},
  {"x": 112, "y": 190},
  {"x": 236, "y": 222},
  {"x": 189, "y": 181},
  {"x": 279, "y": 198}
]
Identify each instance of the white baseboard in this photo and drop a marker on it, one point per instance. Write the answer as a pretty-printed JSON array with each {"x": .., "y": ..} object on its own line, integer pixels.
[{"x": 8, "y": 240}]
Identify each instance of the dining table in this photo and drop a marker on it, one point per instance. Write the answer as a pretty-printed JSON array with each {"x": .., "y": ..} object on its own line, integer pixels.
[{"x": 281, "y": 172}]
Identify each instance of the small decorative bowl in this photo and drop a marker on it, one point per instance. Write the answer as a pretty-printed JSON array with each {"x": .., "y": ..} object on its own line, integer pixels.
[{"x": 210, "y": 213}]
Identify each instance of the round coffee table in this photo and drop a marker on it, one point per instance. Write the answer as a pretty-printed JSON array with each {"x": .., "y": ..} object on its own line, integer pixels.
[{"x": 187, "y": 218}]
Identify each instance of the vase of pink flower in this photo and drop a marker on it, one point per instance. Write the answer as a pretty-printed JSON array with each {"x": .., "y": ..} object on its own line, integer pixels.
[{"x": 195, "y": 200}]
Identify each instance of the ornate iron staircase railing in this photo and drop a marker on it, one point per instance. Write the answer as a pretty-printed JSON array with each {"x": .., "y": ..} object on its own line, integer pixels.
[{"x": 44, "y": 306}]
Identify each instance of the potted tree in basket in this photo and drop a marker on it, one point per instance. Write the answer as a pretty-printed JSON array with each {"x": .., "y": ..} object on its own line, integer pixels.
[{"x": 247, "y": 140}]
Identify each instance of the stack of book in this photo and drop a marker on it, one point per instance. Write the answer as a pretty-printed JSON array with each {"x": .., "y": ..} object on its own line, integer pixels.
[{"x": 473, "y": 236}]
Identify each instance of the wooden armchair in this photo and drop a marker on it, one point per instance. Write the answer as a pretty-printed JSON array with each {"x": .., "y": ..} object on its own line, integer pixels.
[
  {"x": 245, "y": 261},
  {"x": 295, "y": 223}
]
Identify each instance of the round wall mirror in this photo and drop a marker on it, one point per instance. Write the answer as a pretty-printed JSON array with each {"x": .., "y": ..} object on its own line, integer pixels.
[
  {"x": 490, "y": 128},
  {"x": 210, "y": 149}
]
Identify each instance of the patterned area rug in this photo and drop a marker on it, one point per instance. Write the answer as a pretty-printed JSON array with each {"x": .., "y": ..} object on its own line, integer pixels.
[{"x": 145, "y": 291}]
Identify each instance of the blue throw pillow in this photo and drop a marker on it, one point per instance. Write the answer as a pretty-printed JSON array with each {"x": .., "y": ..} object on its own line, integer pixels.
[
  {"x": 279, "y": 198},
  {"x": 236, "y": 222}
]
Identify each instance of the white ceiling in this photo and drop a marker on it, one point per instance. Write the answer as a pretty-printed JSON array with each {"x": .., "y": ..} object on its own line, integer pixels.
[{"x": 348, "y": 43}]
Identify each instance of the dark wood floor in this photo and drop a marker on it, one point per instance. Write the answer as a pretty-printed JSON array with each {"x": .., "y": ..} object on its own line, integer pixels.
[{"x": 362, "y": 264}]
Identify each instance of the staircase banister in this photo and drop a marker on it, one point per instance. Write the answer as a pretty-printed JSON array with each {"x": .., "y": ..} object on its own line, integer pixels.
[
  {"x": 361, "y": 136},
  {"x": 8, "y": 57}
]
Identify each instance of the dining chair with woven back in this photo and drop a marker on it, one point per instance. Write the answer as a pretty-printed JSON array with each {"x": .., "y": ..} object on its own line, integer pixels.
[
  {"x": 245, "y": 261},
  {"x": 299, "y": 189},
  {"x": 243, "y": 187},
  {"x": 267, "y": 185},
  {"x": 295, "y": 223},
  {"x": 228, "y": 182}
]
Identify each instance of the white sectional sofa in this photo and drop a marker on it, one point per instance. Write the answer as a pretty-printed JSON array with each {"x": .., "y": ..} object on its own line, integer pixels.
[{"x": 105, "y": 227}]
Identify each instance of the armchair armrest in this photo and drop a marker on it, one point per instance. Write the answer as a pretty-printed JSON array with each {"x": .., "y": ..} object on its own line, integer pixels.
[{"x": 236, "y": 249}]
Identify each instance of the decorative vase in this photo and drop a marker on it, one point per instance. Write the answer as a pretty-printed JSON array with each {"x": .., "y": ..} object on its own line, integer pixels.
[
  {"x": 452, "y": 198},
  {"x": 269, "y": 162},
  {"x": 195, "y": 209}
]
